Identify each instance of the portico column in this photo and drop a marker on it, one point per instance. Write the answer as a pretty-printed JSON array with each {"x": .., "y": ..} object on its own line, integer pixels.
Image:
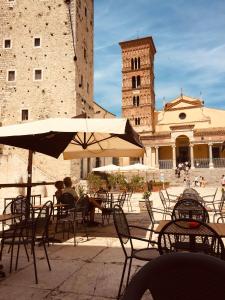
[
  {"x": 192, "y": 156},
  {"x": 211, "y": 166},
  {"x": 148, "y": 156},
  {"x": 174, "y": 156},
  {"x": 157, "y": 157}
]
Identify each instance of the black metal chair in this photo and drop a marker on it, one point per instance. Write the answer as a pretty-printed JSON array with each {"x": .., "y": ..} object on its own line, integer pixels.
[
  {"x": 151, "y": 212},
  {"x": 27, "y": 229},
  {"x": 218, "y": 207},
  {"x": 209, "y": 199},
  {"x": 36, "y": 230},
  {"x": 124, "y": 232},
  {"x": 190, "y": 235},
  {"x": 74, "y": 218},
  {"x": 166, "y": 205},
  {"x": 190, "y": 209},
  {"x": 171, "y": 198},
  {"x": 180, "y": 276}
]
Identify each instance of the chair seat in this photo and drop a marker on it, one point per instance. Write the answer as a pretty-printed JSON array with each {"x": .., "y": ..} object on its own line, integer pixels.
[{"x": 146, "y": 253}]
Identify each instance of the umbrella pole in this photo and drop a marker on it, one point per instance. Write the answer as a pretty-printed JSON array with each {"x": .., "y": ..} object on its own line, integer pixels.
[{"x": 29, "y": 175}]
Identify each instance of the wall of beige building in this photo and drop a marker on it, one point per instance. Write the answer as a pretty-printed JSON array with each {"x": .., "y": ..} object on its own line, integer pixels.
[{"x": 64, "y": 31}]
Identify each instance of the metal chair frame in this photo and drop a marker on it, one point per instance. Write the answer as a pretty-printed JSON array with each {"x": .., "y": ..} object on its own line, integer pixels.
[{"x": 125, "y": 236}]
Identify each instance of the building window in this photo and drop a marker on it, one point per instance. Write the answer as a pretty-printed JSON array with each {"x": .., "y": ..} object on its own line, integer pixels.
[
  {"x": 132, "y": 63},
  {"x": 11, "y": 75},
  {"x": 139, "y": 63},
  {"x": 85, "y": 11},
  {"x": 136, "y": 81},
  {"x": 24, "y": 114},
  {"x": 182, "y": 116},
  {"x": 37, "y": 42},
  {"x": 87, "y": 87},
  {"x": 7, "y": 44},
  {"x": 137, "y": 121},
  {"x": 85, "y": 54},
  {"x": 137, "y": 101},
  {"x": 81, "y": 81},
  {"x": 37, "y": 74}
]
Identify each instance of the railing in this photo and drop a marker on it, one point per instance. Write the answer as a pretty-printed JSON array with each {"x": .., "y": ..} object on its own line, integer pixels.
[
  {"x": 219, "y": 162},
  {"x": 201, "y": 163},
  {"x": 166, "y": 164}
]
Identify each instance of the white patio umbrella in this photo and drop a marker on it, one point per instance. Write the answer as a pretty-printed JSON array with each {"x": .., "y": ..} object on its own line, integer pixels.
[
  {"x": 136, "y": 167},
  {"x": 107, "y": 168},
  {"x": 75, "y": 138}
]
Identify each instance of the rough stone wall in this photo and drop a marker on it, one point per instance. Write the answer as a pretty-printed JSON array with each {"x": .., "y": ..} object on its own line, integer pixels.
[
  {"x": 133, "y": 49},
  {"x": 60, "y": 57}
]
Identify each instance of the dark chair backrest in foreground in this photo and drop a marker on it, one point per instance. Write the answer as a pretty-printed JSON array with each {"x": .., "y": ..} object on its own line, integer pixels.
[{"x": 180, "y": 276}]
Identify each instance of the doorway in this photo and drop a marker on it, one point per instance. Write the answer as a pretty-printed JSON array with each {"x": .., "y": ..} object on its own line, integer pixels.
[{"x": 182, "y": 149}]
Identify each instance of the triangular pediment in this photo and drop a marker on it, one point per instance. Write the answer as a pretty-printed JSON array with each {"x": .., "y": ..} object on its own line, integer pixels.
[{"x": 183, "y": 102}]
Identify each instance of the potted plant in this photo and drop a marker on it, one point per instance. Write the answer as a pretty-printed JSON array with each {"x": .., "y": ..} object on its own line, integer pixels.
[{"x": 142, "y": 206}]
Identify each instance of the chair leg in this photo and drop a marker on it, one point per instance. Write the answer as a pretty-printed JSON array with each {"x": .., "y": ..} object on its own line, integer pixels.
[
  {"x": 34, "y": 261},
  {"x": 46, "y": 254},
  {"x": 122, "y": 278},
  {"x": 129, "y": 269}
]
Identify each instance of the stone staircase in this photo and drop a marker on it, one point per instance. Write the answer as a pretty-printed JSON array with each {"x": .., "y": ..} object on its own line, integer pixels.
[{"x": 212, "y": 176}]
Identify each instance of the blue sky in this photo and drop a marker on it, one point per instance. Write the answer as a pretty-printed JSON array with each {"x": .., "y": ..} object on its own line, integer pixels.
[{"x": 189, "y": 36}]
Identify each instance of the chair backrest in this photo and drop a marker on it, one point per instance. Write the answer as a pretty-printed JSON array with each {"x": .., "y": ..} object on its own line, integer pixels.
[
  {"x": 190, "y": 235},
  {"x": 42, "y": 219},
  {"x": 163, "y": 200},
  {"x": 222, "y": 201},
  {"x": 190, "y": 209},
  {"x": 180, "y": 276},
  {"x": 190, "y": 191},
  {"x": 122, "y": 197},
  {"x": 67, "y": 199},
  {"x": 149, "y": 210},
  {"x": 122, "y": 228}
]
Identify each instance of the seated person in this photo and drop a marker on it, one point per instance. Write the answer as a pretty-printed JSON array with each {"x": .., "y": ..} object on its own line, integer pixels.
[
  {"x": 68, "y": 188},
  {"x": 89, "y": 202},
  {"x": 59, "y": 188}
]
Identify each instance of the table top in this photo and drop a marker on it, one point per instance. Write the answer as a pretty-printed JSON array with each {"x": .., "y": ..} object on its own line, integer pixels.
[
  {"x": 218, "y": 227},
  {"x": 6, "y": 217}
]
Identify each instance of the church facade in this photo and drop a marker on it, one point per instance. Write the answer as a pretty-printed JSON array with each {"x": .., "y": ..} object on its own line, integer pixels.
[{"x": 184, "y": 130}]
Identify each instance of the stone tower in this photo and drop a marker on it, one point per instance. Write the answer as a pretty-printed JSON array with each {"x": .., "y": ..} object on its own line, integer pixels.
[
  {"x": 138, "y": 97},
  {"x": 46, "y": 61}
]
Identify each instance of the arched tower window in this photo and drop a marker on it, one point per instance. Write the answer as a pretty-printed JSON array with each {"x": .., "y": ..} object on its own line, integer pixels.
[
  {"x": 137, "y": 121},
  {"x": 132, "y": 63},
  {"x": 137, "y": 101},
  {"x": 133, "y": 82},
  {"x": 135, "y": 63},
  {"x": 138, "y": 81},
  {"x": 134, "y": 101},
  {"x": 139, "y": 63}
]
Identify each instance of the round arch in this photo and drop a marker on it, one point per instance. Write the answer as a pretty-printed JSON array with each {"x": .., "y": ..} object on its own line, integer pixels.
[{"x": 182, "y": 149}]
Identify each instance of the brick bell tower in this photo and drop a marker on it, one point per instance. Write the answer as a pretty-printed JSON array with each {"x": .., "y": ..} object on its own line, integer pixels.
[{"x": 138, "y": 96}]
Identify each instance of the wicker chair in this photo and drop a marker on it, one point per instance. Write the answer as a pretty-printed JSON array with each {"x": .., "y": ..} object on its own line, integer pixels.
[
  {"x": 180, "y": 276},
  {"x": 124, "y": 232}
]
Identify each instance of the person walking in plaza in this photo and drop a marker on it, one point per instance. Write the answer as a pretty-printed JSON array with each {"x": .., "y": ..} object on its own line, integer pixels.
[{"x": 222, "y": 180}]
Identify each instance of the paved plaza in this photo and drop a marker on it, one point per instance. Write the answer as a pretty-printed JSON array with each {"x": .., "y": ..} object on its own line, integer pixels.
[{"x": 91, "y": 270}]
